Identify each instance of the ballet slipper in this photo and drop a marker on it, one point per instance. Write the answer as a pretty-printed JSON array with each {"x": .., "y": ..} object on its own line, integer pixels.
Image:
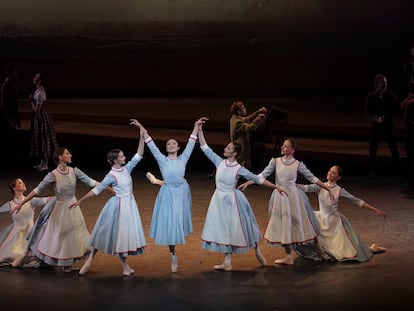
[
  {"x": 376, "y": 249},
  {"x": 174, "y": 263},
  {"x": 260, "y": 257},
  {"x": 85, "y": 268},
  {"x": 288, "y": 260}
]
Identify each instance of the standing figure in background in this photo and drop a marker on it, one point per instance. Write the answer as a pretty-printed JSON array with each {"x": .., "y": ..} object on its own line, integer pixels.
[
  {"x": 407, "y": 110},
  {"x": 230, "y": 225},
  {"x": 289, "y": 224},
  {"x": 338, "y": 238},
  {"x": 10, "y": 101},
  {"x": 381, "y": 104},
  {"x": 118, "y": 229},
  {"x": 241, "y": 125},
  {"x": 43, "y": 142},
  {"x": 61, "y": 237},
  {"x": 13, "y": 242},
  {"x": 172, "y": 216},
  {"x": 408, "y": 70}
]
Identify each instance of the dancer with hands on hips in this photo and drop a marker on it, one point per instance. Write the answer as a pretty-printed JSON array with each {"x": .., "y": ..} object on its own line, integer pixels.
[{"x": 289, "y": 222}]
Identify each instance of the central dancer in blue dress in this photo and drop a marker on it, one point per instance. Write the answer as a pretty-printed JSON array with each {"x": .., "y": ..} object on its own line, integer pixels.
[
  {"x": 230, "y": 225},
  {"x": 171, "y": 218},
  {"x": 118, "y": 229}
]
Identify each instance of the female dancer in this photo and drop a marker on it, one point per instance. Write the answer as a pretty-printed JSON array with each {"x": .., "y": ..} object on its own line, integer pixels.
[
  {"x": 118, "y": 229},
  {"x": 337, "y": 238},
  {"x": 13, "y": 243},
  {"x": 230, "y": 225},
  {"x": 43, "y": 142},
  {"x": 171, "y": 218},
  {"x": 289, "y": 223},
  {"x": 61, "y": 238}
]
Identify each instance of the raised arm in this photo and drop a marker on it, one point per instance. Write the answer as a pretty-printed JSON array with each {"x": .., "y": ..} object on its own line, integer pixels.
[
  {"x": 199, "y": 125},
  {"x": 142, "y": 130}
]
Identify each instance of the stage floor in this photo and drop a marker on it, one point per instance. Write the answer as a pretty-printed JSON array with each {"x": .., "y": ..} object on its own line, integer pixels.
[{"x": 384, "y": 283}]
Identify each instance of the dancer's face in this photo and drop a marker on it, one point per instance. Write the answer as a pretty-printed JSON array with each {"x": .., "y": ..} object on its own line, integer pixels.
[
  {"x": 36, "y": 79},
  {"x": 19, "y": 185},
  {"x": 287, "y": 148},
  {"x": 120, "y": 160},
  {"x": 66, "y": 157},
  {"x": 333, "y": 174},
  {"x": 172, "y": 146},
  {"x": 229, "y": 151}
]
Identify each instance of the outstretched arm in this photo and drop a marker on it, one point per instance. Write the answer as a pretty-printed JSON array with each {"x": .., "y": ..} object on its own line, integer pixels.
[
  {"x": 85, "y": 197},
  {"x": 374, "y": 209},
  {"x": 26, "y": 199}
]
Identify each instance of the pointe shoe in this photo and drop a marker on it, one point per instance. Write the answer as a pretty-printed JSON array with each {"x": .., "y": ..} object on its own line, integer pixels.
[
  {"x": 224, "y": 267},
  {"x": 260, "y": 258},
  {"x": 151, "y": 178},
  {"x": 128, "y": 271},
  {"x": 18, "y": 260},
  {"x": 288, "y": 260},
  {"x": 174, "y": 263},
  {"x": 37, "y": 166},
  {"x": 376, "y": 249},
  {"x": 42, "y": 168},
  {"x": 85, "y": 268}
]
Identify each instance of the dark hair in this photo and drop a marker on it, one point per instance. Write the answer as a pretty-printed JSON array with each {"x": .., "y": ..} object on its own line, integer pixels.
[
  {"x": 379, "y": 78},
  {"x": 237, "y": 148},
  {"x": 340, "y": 170},
  {"x": 42, "y": 78},
  {"x": 235, "y": 107},
  {"x": 58, "y": 152},
  {"x": 293, "y": 143},
  {"x": 12, "y": 185},
  {"x": 112, "y": 155}
]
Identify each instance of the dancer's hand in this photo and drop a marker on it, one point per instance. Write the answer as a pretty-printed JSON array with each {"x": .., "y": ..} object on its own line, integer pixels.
[
  {"x": 201, "y": 121},
  {"x": 74, "y": 204},
  {"x": 380, "y": 213},
  {"x": 136, "y": 123},
  {"x": 243, "y": 186},
  {"x": 281, "y": 191},
  {"x": 17, "y": 208}
]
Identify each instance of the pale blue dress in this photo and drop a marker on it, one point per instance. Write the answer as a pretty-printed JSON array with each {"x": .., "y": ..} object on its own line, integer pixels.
[
  {"x": 172, "y": 215},
  {"x": 230, "y": 225},
  {"x": 118, "y": 229}
]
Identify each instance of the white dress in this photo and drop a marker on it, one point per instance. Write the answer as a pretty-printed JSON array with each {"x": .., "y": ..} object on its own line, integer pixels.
[
  {"x": 289, "y": 222},
  {"x": 230, "y": 225},
  {"x": 60, "y": 236},
  {"x": 118, "y": 229},
  {"x": 337, "y": 236},
  {"x": 13, "y": 242}
]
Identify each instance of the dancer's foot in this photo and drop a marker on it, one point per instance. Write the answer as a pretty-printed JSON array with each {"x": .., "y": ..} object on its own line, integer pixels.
[
  {"x": 128, "y": 271},
  {"x": 376, "y": 249},
  {"x": 288, "y": 260},
  {"x": 43, "y": 168},
  {"x": 174, "y": 263},
  {"x": 18, "y": 260},
  {"x": 224, "y": 267},
  {"x": 85, "y": 268},
  {"x": 68, "y": 269},
  {"x": 260, "y": 257}
]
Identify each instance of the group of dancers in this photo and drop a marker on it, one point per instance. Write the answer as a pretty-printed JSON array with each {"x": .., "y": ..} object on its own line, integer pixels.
[{"x": 60, "y": 238}]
